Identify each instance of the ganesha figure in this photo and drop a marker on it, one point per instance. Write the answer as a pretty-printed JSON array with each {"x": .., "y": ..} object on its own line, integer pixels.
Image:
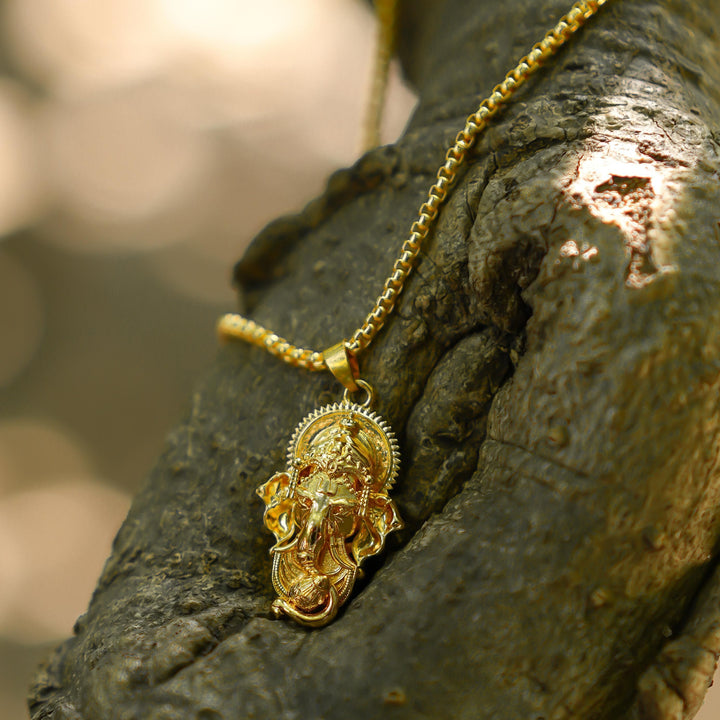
[{"x": 330, "y": 509}]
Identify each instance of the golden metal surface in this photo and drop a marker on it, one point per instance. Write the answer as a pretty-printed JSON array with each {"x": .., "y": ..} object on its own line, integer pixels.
[
  {"x": 236, "y": 327},
  {"x": 386, "y": 11},
  {"x": 233, "y": 326},
  {"x": 330, "y": 509},
  {"x": 342, "y": 365}
]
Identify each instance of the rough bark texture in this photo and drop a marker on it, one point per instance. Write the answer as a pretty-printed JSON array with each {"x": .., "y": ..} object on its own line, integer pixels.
[{"x": 552, "y": 370}]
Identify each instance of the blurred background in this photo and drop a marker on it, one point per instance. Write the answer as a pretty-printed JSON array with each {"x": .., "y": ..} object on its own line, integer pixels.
[{"x": 142, "y": 144}]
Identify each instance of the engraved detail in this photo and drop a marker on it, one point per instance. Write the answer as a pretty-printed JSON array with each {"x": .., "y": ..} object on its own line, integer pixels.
[{"x": 330, "y": 509}]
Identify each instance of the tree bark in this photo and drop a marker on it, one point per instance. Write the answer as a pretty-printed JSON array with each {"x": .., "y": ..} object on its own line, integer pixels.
[{"x": 552, "y": 371}]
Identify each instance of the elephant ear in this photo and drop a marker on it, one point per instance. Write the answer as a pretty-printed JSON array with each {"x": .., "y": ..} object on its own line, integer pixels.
[
  {"x": 382, "y": 517},
  {"x": 279, "y": 505}
]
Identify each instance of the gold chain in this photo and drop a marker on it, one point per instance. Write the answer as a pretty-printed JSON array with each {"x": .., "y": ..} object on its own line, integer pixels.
[
  {"x": 233, "y": 326},
  {"x": 386, "y": 11}
]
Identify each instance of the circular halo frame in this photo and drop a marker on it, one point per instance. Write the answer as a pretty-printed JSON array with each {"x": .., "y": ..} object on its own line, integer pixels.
[{"x": 377, "y": 429}]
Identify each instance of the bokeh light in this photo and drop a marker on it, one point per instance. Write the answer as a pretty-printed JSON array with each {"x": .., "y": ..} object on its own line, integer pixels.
[
  {"x": 21, "y": 184},
  {"x": 22, "y": 317},
  {"x": 121, "y": 160},
  {"x": 57, "y": 521},
  {"x": 32, "y": 451},
  {"x": 168, "y": 121},
  {"x": 72, "y": 46},
  {"x": 56, "y": 539}
]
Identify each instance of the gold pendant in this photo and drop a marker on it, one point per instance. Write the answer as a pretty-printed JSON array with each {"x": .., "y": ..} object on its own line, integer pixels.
[{"x": 330, "y": 509}]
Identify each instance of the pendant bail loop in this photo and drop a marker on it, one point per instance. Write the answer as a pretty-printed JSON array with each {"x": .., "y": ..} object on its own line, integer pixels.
[{"x": 343, "y": 365}]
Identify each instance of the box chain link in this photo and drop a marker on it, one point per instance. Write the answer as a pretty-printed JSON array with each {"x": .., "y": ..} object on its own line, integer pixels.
[{"x": 234, "y": 326}]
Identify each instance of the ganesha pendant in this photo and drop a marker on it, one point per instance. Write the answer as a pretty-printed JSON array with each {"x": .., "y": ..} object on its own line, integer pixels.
[{"x": 330, "y": 509}]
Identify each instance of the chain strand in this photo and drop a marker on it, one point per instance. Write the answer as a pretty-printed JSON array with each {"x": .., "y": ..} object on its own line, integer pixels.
[
  {"x": 386, "y": 11},
  {"x": 237, "y": 327}
]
